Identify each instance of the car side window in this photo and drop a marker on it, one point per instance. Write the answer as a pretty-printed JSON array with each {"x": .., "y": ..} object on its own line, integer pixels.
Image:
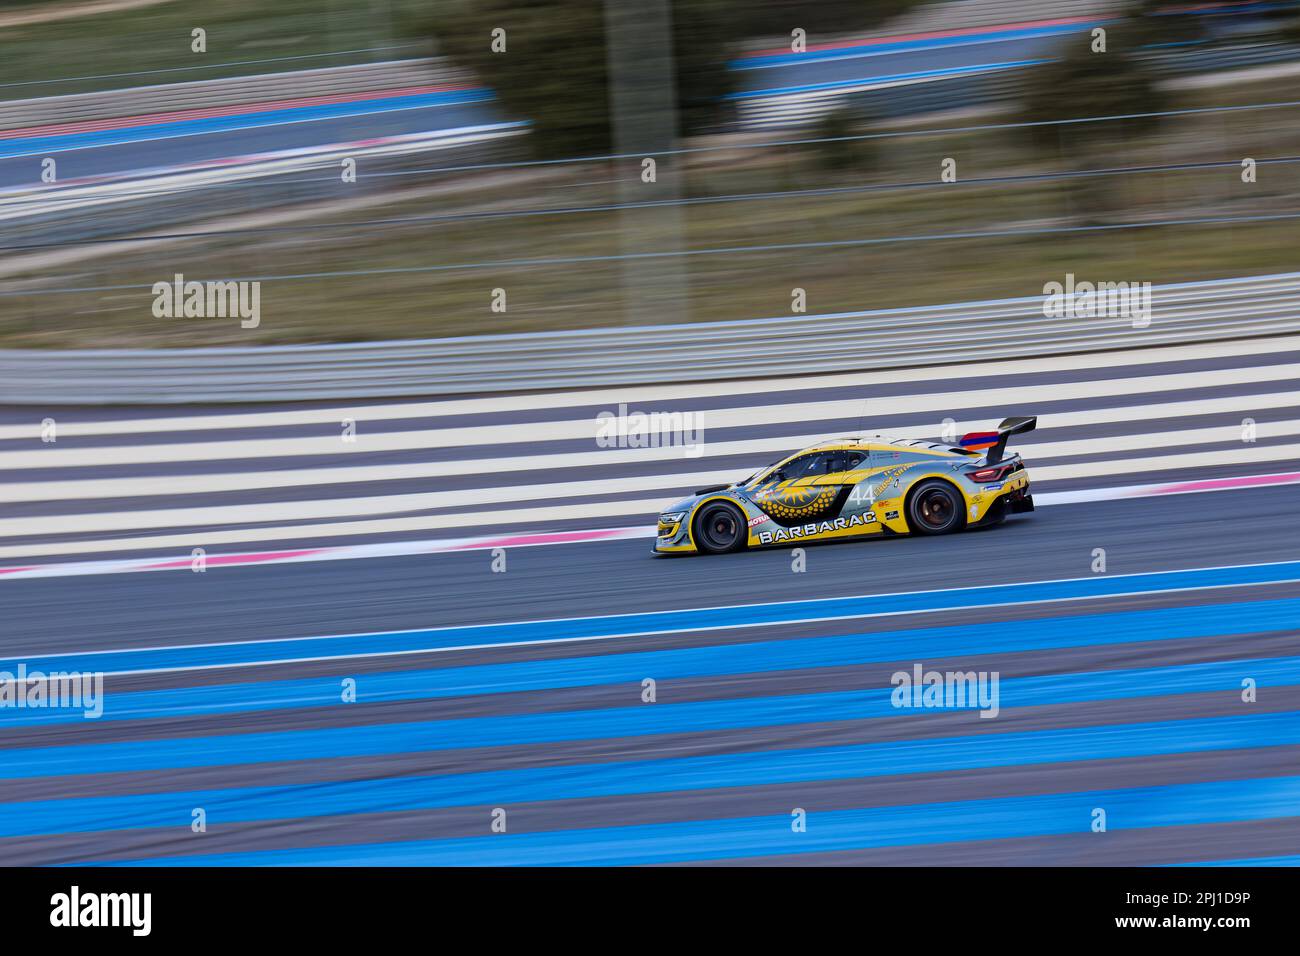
[
  {"x": 815, "y": 464},
  {"x": 844, "y": 461},
  {"x": 810, "y": 466},
  {"x": 795, "y": 468}
]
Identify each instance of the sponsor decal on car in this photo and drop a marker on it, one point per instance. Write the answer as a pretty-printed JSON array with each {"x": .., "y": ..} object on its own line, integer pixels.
[
  {"x": 757, "y": 520},
  {"x": 816, "y": 527},
  {"x": 891, "y": 515},
  {"x": 886, "y": 477},
  {"x": 791, "y": 502}
]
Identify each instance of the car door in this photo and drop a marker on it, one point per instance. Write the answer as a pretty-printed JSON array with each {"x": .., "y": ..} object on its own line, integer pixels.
[
  {"x": 876, "y": 483},
  {"x": 836, "y": 467},
  {"x": 850, "y": 471}
]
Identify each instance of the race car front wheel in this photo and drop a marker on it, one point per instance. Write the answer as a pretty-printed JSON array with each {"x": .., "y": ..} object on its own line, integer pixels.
[
  {"x": 935, "y": 507},
  {"x": 719, "y": 527}
]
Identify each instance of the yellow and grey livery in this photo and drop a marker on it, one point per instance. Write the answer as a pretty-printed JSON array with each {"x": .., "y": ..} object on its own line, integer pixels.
[{"x": 856, "y": 487}]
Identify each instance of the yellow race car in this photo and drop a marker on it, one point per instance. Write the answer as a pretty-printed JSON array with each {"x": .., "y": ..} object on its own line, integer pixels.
[{"x": 856, "y": 487}]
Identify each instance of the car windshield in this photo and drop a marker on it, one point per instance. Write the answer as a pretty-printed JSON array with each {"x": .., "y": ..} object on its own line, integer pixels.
[
  {"x": 760, "y": 472},
  {"x": 768, "y": 472}
]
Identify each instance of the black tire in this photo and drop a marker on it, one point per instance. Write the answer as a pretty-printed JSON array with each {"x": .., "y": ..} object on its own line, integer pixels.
[
  {"x": 719, "y": 528},
  {"x": 935, "y": 507}
]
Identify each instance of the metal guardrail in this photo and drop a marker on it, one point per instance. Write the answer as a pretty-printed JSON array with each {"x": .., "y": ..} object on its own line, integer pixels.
[{"x": 928, "y": 335}]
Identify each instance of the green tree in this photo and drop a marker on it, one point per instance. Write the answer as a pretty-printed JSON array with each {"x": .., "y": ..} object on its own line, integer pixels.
[
  {"x": 553, "y": 70},
  {"x": 554, "y": 73},
  {"x": 821, "y": 19},
  {"x": 839, "y": 145},
  {"x": 1083, "y": 84},
  {"x": 1164, "y": 22}
]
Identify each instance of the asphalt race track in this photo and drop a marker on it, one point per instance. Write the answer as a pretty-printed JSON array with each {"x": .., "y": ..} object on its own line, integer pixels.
[
  {"x": 1160, "y": 695},
  {"x": 184, "y": 143},
  {"x": 606, "y": 577}
]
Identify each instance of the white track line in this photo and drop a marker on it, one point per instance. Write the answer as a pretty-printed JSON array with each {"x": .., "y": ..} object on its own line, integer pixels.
[
  {"x": 1014, "y": 398},
  {"x": 762, "y": 449},
  {"x": 642, "y": 396},
  {"x": 644, "y": 507},
  {"x": 401, "y": 548},
  {"x": 308, "y": 641},
  {"x": 99, "y": 521}
]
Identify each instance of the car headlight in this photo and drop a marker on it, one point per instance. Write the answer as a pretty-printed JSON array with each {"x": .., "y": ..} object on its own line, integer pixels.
[{"x": 672, "y": 517}]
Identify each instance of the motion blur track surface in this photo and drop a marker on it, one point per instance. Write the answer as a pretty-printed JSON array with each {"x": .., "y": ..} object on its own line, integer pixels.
[
  {"x": 126, "y": 145},
  {"x": 1120, "y": 691}
]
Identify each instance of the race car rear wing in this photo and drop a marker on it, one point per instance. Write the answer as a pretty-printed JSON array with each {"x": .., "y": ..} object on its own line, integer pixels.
[{"x": 996, "y": 441}]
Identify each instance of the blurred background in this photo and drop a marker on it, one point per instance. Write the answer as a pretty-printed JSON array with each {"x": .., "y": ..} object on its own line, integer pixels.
[
  {"x": 481, "y": 207},
  {"x": 501, "y": 144}
]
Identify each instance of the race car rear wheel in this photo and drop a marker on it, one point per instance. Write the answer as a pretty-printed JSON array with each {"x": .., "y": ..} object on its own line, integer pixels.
[
  {"x": 935, "y": 507},
  {"x": 719, "y": 527}
]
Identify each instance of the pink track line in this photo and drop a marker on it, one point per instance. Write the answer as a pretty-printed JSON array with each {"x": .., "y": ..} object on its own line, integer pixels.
[
  {"x": 1220, "y": 484},
  {"x": 527, "y": 540},
  {"x": 546, "y": 538},
  {"x": 258, "y": 557},
  {"x": 123, "y": 122},
  {"x": 339, "y": 552}
]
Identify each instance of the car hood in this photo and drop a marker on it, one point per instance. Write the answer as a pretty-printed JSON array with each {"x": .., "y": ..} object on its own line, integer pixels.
[{"x": 689, "y": 502}]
